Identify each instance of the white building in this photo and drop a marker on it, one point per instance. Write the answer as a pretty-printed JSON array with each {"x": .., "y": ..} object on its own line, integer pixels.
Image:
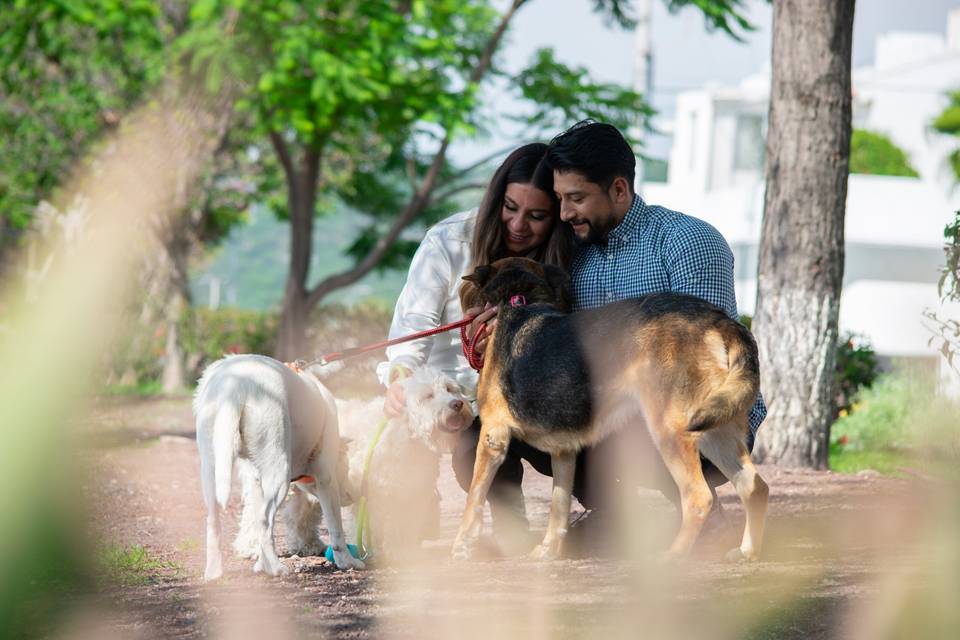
[{"x": 894, "y": 226}]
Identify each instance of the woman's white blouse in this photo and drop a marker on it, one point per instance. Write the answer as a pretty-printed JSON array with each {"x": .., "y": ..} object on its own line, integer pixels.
[{"x": 430, "y": 298}]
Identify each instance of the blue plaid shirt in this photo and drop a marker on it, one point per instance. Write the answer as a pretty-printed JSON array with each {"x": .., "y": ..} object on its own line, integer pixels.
[{"x": 655, "y": 249}]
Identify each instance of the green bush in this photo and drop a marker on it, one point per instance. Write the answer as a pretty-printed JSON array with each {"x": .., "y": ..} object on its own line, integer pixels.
[
  {"x": 876, "y": 154},
  {"x": 136, "y": 361},
  {"x": 207, "y": 334},
  {"x": 899, "y": 419},
  {"x": 856, "y": 367}
]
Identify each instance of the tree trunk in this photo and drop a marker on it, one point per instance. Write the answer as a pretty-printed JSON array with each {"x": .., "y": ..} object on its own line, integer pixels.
[
  {"x": 301, "y": 202},
  {"x": 801, "y": 248}
]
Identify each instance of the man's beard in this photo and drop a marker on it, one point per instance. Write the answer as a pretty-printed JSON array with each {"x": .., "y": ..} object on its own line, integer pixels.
[
  {"x": 593, "y": 237},
  {"x": 595, "y": 234}
]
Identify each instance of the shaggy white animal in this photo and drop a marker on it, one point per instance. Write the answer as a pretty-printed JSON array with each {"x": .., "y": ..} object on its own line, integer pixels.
[
  {"x": 401, "y": 491},
  {"x": 276, "y": 425}
]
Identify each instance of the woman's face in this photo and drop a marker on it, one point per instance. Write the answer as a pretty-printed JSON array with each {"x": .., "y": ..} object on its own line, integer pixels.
[{"x": 527, "y": 218}]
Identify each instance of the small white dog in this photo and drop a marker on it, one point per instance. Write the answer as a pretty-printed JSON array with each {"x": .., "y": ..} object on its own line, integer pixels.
[
  {"x": 401, "y": 491},
  {"x": 278, "y": 425}
]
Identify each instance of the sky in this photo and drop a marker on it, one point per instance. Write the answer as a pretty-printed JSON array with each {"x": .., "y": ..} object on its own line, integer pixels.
[{"x": 685, "y": 55}]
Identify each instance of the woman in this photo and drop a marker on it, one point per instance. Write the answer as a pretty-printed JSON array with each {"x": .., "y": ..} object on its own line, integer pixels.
[
  {"x": 518, "y": 216},
  {"x": 515, "y": 218}
]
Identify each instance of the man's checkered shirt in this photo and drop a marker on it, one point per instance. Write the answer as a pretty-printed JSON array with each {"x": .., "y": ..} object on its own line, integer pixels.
[{"x": 655, "y": 249}]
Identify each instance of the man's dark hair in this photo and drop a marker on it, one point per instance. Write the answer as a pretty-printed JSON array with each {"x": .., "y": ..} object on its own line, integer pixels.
[{"x": 596, "y": 150}]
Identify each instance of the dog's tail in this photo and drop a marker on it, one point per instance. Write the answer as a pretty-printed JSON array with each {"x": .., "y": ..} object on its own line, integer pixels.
[
  {"x": 738, "y": 390},
  {"x": 218, "y": 440}
]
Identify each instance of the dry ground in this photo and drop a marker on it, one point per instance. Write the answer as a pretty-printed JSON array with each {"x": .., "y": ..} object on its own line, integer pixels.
[{"x": 834, "y": 542}]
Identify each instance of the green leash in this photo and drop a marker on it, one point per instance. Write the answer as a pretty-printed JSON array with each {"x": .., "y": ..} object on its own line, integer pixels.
[{"x": 363, "y": 520}]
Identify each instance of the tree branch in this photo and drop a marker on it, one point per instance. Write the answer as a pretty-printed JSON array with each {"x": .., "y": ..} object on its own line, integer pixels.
[
  {"x": 454, "y": 190},
  {"x": 479, "y": 163},
  {"x": 422, "y": 196}
]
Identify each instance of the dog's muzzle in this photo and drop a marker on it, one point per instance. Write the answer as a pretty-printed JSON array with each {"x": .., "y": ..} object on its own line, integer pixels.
[{"x": 456, "y": 420}]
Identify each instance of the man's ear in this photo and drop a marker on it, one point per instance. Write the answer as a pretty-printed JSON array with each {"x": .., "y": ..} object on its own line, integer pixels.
[
  {"x": 559, "y": 281},
  {"x": 620, "y": 190}
]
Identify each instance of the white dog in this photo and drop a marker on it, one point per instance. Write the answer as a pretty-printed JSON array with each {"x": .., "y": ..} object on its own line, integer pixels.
[
  {"x": 401, "y": 489},
  {"x": 278, "y": 425}
]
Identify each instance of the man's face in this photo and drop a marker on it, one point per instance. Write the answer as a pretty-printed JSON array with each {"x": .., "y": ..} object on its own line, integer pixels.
[{"x": 586, "y": 206}]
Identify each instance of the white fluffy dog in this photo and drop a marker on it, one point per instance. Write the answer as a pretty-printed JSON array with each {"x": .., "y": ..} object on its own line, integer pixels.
[
  {"x": 277, "y": 424},
  {"x": 401, "y": 488}
]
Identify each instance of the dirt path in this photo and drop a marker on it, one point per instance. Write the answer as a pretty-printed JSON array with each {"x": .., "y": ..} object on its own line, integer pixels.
[{"x": 834, "y": 541}]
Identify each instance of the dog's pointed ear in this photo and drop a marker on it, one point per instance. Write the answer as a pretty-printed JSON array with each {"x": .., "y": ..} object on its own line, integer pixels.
[
  {"x": 560, "y": 282},
  {"x": 481, "y": 275},
  {"x": 471, "y": 289}
]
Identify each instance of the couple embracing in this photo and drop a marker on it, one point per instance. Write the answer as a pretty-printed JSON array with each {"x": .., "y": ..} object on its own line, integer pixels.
[{"x": 570, "y": 203}]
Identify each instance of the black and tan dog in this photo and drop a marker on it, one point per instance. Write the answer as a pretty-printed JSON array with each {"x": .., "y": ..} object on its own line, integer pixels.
[{"x": 670, "y": 363}]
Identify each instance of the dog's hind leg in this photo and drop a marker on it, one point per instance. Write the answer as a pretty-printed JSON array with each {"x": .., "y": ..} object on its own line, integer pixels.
[
  {"x": 681, "y": 455},
  {"x": 564, "y": 466},
  {"x": 274, "y": 483},
  {"x": 724, "y": 447},
  {"x": 491, "y": 452},
  {"x": 247, "y": 542}
]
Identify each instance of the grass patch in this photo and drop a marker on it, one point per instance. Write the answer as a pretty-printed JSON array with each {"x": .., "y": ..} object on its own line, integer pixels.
[
  {"x": 885, "y": 461},
  {"x": 188, "y": 544},
  {"x": 130, "y": 566},
  {"x": 143, "y": 389}
]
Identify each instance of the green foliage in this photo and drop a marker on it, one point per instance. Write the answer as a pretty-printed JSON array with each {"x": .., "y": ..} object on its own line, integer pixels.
[
  {"x": 724, "y": 15},
  {"x": 68, "y": 72},
  {"x": 210, "y": 334},
  {"x": 888, "y": 462},
  {"x": 900, "y": 420},
  {"x": 875, "y": 154},
  {"x": 44, "y": 575},
  {"x": 561, "y": 95},
  {"x": 856, "y": 369},
  {"x": 883, "y": 416},
  {"x": 948, "y": 122},
  {"x": 946, "y": 330},
  {"x": 132, "y": 566}
]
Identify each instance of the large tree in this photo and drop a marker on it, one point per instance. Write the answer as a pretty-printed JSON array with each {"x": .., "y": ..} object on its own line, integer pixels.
[
  {"x": 361, "y": 101},
  {"x": 802, "y": 241}
]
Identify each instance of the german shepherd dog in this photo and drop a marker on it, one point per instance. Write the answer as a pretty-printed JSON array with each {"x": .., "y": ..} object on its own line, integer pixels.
[{"x": 671, "y": 363}]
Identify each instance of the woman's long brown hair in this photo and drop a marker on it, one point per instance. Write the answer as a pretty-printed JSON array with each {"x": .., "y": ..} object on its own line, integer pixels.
[{"x": 520, "y": 167}]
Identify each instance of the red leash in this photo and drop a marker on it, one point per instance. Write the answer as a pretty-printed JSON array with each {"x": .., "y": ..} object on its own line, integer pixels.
[
  {"x": 469, "y": 344},
  {"x": 356, "y": 351}
]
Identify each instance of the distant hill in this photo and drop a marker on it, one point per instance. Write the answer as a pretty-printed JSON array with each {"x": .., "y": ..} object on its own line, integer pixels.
[{"x": 251, "y": 263}]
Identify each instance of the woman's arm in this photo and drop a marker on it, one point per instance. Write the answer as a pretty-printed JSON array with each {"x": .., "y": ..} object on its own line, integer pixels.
[{"x": 420, "y": 306}]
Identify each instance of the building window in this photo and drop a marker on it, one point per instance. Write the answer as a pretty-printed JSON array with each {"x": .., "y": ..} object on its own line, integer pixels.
[{"x": 749, "y": 146}]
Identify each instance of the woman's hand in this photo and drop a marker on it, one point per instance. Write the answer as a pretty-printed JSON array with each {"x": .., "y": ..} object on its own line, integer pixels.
[
  {"x": 486, "y": 314},
  {"x": 395, "y": 403}
]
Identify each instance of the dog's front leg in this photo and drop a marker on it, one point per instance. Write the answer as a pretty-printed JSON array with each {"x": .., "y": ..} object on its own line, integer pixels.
[
  {"x": 564, "y": 466},
  {"x": 491, "y": 452},
  {"x": 327, "y": 491}
]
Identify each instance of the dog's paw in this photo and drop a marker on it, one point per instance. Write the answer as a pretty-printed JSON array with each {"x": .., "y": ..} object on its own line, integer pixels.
[
  {"x": 308, "y": 549},
  {"x": 737, "y": 555},
  {"x": 344, "y": 561},
  {"x": 461, "y": 551},
  {"x": 545, "y": 552}
]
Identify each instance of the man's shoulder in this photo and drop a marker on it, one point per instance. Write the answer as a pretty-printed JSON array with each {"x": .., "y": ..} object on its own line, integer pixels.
[{"x": 685, "y": 229}]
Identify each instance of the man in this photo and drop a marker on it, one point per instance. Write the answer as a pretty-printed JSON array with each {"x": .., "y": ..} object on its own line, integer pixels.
[{"x": 626, "y": 249}]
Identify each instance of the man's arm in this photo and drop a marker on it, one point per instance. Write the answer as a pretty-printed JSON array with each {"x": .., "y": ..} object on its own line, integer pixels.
[{"x": 699, "y": 262}]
